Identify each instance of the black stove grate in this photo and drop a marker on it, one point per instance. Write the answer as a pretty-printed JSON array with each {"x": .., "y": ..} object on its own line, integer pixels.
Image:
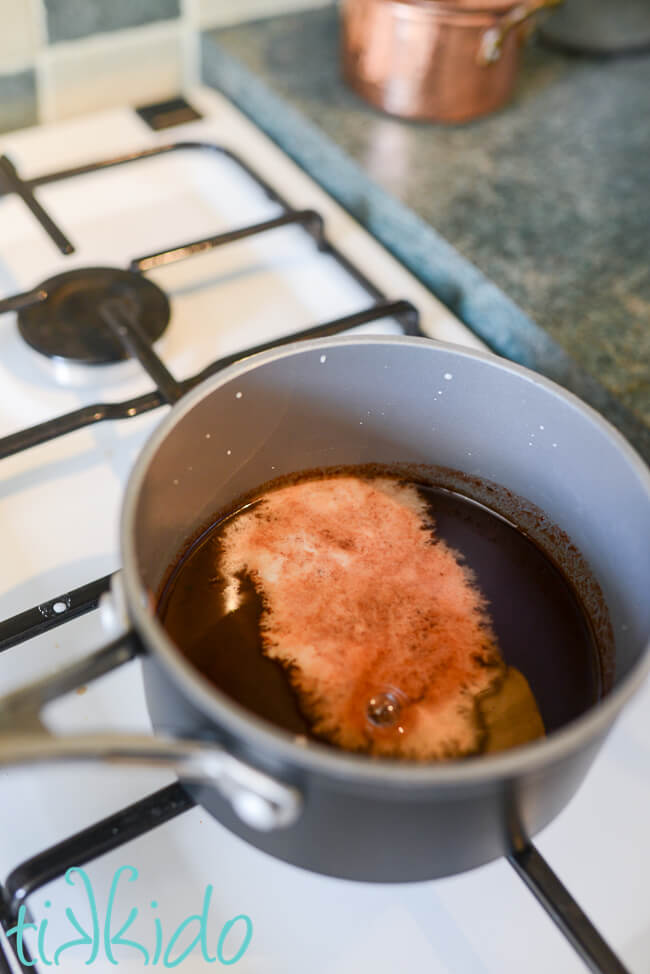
[
  {"x": 124, "y": 323},
  {"x": 141, "y": 817},
  {"x": 105, "y": 836}
]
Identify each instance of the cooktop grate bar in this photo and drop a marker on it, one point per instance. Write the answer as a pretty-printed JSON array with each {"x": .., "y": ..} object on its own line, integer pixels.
[
  {"x": 10, "y": 182},
  {"x": 76, "y": 420},
  {"x": 104, "y": 836},
  {"x": 142, "y": 154},
  {"x": 124, "y": 322},
  {"x": 310, "y": 220},
  {"x": 25, "y": 300},
  {"x": 48, "y": 615},
  {"x": 403, "y": 311}
]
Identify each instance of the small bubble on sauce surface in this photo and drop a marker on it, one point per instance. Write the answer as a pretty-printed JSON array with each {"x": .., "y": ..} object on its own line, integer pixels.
[{"x": 384, "y": 709}]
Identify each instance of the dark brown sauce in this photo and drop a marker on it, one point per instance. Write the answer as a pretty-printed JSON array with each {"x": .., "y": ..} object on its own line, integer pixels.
[{"x": 539, "y": 624}]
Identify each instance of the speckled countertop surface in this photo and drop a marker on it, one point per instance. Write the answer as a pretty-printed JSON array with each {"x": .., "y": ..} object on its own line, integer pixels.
[{"x": 549, "y": 199}]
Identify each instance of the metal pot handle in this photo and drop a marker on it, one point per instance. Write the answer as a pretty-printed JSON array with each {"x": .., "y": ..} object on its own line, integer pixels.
[
  {"x": 492, "y": 41},
  {"x": 258, "y": 799}
]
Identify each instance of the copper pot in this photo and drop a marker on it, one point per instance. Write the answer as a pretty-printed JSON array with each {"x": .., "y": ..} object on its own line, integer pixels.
[{"x": 431, "y": 59}]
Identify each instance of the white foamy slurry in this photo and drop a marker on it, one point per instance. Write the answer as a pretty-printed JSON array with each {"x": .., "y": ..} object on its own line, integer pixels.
[{"x": 362, "y": 603}]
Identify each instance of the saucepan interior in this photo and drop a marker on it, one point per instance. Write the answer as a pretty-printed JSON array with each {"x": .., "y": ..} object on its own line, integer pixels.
[{"x": 347, "y": 401}]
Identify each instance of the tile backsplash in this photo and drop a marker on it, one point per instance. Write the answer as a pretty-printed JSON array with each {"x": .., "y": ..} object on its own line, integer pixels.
[
  {"x": 65, "y": 57},
  {"x": 69, "y": 20}
]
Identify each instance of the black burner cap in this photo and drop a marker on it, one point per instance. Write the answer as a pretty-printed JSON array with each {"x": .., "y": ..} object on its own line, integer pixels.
[{"x": 67, "y": 324}]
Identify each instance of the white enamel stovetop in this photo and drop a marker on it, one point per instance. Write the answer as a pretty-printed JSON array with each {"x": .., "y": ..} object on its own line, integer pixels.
[{"x": 58, "y": 529}]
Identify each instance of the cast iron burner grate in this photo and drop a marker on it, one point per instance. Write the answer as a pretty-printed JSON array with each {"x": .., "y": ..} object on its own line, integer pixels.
[
  {"x": 130, "y": 316},
  {"x": 123, "y": 314}
]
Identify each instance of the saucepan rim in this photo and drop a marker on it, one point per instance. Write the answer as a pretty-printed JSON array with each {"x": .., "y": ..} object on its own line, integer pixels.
[{"x": 262, "y": 737}]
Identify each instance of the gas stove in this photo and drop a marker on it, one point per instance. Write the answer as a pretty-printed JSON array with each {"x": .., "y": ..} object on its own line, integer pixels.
[{"x": 133, "y": 263}]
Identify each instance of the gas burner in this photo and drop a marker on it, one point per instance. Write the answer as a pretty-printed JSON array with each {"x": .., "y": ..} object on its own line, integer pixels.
[{"x": 65, "y": 320}]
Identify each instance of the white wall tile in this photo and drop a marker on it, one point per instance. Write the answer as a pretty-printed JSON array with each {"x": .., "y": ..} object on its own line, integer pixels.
[
  {"x": 217, "y": 13},
  {"x": 21, "y": 33},
  {"x": 121, "y": 68}
]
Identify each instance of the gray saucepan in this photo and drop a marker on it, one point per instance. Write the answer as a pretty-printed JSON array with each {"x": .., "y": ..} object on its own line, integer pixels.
[{"x": 389, "y": 400}]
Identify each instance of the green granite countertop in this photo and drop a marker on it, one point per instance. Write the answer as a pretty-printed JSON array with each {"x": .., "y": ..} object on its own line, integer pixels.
[{"x": 549, "y": 199}]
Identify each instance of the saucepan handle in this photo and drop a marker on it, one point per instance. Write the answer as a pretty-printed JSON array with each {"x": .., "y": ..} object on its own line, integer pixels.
[
  {"x": 258, "y": 799},
  {"x": 563, "y": 909},
  {"x": 493, "y": 39}
]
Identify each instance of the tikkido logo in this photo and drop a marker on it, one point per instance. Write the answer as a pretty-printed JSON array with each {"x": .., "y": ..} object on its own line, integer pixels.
[{"x": 232, "y": 943}]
